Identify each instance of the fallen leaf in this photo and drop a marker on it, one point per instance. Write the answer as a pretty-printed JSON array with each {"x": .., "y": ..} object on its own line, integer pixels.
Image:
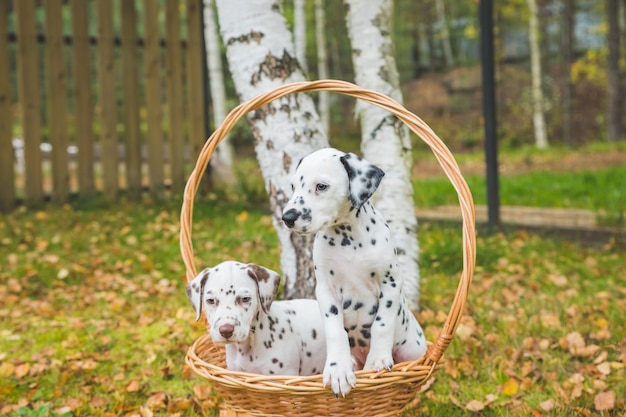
[
  {"x": 547, "y": 405},
  {"x": 6, "y": 369},
  {"x": 22, "y": 370},
  {"x": 604, "y": 368},
  {"x": 511, "y": 387},
  {"x": 176, "y": 405},
  {"x": 575, "y": 341},
  {"x": 133, "y": 386},
  {"x": 157, "y": 401},
  {"x": 604, "y": 401},
  {"x": 98, "y": 402},
  {"x": 475, "y": 405},
  {"x": 490, "y": 398}
]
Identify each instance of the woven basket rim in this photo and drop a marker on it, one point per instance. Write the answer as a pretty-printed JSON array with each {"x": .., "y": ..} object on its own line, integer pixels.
[{"x": 450, "y": 167}]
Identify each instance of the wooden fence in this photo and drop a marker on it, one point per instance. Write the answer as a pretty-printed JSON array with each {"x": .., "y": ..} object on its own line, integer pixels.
[{"x": 99, "y": 96}]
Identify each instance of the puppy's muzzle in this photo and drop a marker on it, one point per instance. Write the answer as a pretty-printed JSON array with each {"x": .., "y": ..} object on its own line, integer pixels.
[{"x": 290, "y": 217}]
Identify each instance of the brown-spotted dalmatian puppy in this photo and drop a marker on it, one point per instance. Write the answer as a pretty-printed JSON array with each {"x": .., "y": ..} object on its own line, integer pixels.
[
  {"x": 262, "y": 336},
  {"x": 359, "y": 290}
]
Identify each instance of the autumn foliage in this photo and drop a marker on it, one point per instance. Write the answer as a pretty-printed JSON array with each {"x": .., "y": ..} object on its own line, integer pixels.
[{"x": 94, "y": 319}]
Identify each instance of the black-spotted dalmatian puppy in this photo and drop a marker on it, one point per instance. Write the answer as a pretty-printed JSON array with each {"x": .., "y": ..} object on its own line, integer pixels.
[
  {"x": 367, "y": 322},
  {"x": 262, "y": 336}
]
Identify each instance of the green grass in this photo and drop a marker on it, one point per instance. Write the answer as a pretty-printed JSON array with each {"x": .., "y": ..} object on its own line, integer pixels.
[
  {"x": 94, "y": 320},
  {"x": 601, "y": 191}
]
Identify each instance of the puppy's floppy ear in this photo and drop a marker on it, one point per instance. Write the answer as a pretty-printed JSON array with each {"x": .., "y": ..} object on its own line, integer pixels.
[
  {"x": 363, "y": 178},
  {"x": 195, "y": 289},
  {"x": 267, "y": 282}
]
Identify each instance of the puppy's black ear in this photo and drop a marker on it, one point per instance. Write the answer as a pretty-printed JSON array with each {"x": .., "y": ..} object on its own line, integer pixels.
[
  {"x": 363, "y": 177},
  {"x": 195, "y": 290},
  {"x": 267, "y": 282}
]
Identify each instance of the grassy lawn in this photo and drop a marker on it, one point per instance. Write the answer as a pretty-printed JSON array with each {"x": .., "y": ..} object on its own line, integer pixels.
[
  {"x": 94, "y": 320},
  {"x": 549, "y": 189}
]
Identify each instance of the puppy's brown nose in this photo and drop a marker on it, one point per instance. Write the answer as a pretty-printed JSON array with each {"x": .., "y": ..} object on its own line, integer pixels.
[{"x": 226, "y": 330}]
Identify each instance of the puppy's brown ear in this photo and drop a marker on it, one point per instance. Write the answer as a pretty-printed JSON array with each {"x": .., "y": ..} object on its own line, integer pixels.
[
  {"x": 195, "y": 291},
  {"x": 363, "y": 176},
  {"x": 267, "y": 281}
]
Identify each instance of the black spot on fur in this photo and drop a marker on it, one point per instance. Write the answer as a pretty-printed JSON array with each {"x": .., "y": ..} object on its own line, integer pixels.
[
  {"x": 347, "y": 304},
  {"x": 334, "y": 310}
]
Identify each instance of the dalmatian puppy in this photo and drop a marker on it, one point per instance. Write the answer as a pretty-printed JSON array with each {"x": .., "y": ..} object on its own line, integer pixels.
[
  {"x": 359, "y": 290},
  {"x": 262, "y": 336}
]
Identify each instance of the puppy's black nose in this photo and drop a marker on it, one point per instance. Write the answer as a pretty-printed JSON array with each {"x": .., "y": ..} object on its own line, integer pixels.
[{"x": 290, "y": 217}]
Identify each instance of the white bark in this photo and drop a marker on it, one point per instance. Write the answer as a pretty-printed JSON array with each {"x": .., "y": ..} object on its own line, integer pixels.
[
  {"x": 299, "y": 32},
  {"x": 385, "y": 140},
  {"x": 445, "y": 33},
  {"x": 216, "y": 80},
  {"x": 261, "y": 57},
  {"x": 322, "y": 63},
  {"x": 541, "y": 139}
]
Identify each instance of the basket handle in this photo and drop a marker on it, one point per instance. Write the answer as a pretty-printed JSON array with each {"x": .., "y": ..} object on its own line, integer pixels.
[{"x": 416, "y": 124}]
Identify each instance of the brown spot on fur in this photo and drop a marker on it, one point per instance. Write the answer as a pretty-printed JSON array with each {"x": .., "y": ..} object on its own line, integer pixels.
[{"x": 258, "y": 273}]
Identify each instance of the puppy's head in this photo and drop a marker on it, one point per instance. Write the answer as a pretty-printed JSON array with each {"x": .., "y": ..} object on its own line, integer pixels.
[
  {"x": 327, "y": 185},
  {"x": 232, "y": 294}
]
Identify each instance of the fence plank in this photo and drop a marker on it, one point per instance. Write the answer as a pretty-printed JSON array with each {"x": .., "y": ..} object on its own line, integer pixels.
[
  {"x": 152, "y": 64},
  {"x": 7, "y": 173},
  {"x": 83, "y": 107},
  {"x": 28, "y": 91},
  {"x": 131, "y": 99},
  {"x": 108, "y": 105},
  {"x": 195, "y": 76},
  {"x": 176, "y": 136},
  {"x": 57, "y": 102}
]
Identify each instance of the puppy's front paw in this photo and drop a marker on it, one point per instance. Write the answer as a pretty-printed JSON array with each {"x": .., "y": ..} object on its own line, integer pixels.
[
  {"x": 379, "y": 363},
  {"x": 340, "y": 376}
]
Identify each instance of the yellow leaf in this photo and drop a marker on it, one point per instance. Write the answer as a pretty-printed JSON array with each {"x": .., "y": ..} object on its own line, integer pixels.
[
  {"x": 510, "y": 387},
  {"x": 242, "y": 217},
  {"x": 6, "y": 369}
]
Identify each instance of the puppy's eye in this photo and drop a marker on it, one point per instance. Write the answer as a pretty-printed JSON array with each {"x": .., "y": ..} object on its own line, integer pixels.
[
  {"x": 210, "y": 301},
  {"x": 321, "y": 187},
  {"x": 246, "y": 300}
]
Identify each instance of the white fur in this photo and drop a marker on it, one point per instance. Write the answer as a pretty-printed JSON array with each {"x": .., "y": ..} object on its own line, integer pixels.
[
  {"x": 359, "y": 288},
  {"x": 261, "y": 335}
]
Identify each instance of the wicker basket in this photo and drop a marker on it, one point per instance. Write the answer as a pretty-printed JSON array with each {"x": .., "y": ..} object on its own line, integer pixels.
[{"x": 376, "y": 393}]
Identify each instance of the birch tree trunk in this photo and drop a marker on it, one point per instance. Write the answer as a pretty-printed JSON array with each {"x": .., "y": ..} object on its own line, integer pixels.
[
  {"x": 539, "y": 122},
  {"x": 614, "y": 100},
  {"x": 385, "y": 140},
  {"x": 445, "y": 33},
  {"x": 322, "y": 62},
  {"x": 260, "y": 54},
  {"x": 299, "y": 32},
  {"x": 567, "y": 42},
  {"x": 216, "y": 79}
]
